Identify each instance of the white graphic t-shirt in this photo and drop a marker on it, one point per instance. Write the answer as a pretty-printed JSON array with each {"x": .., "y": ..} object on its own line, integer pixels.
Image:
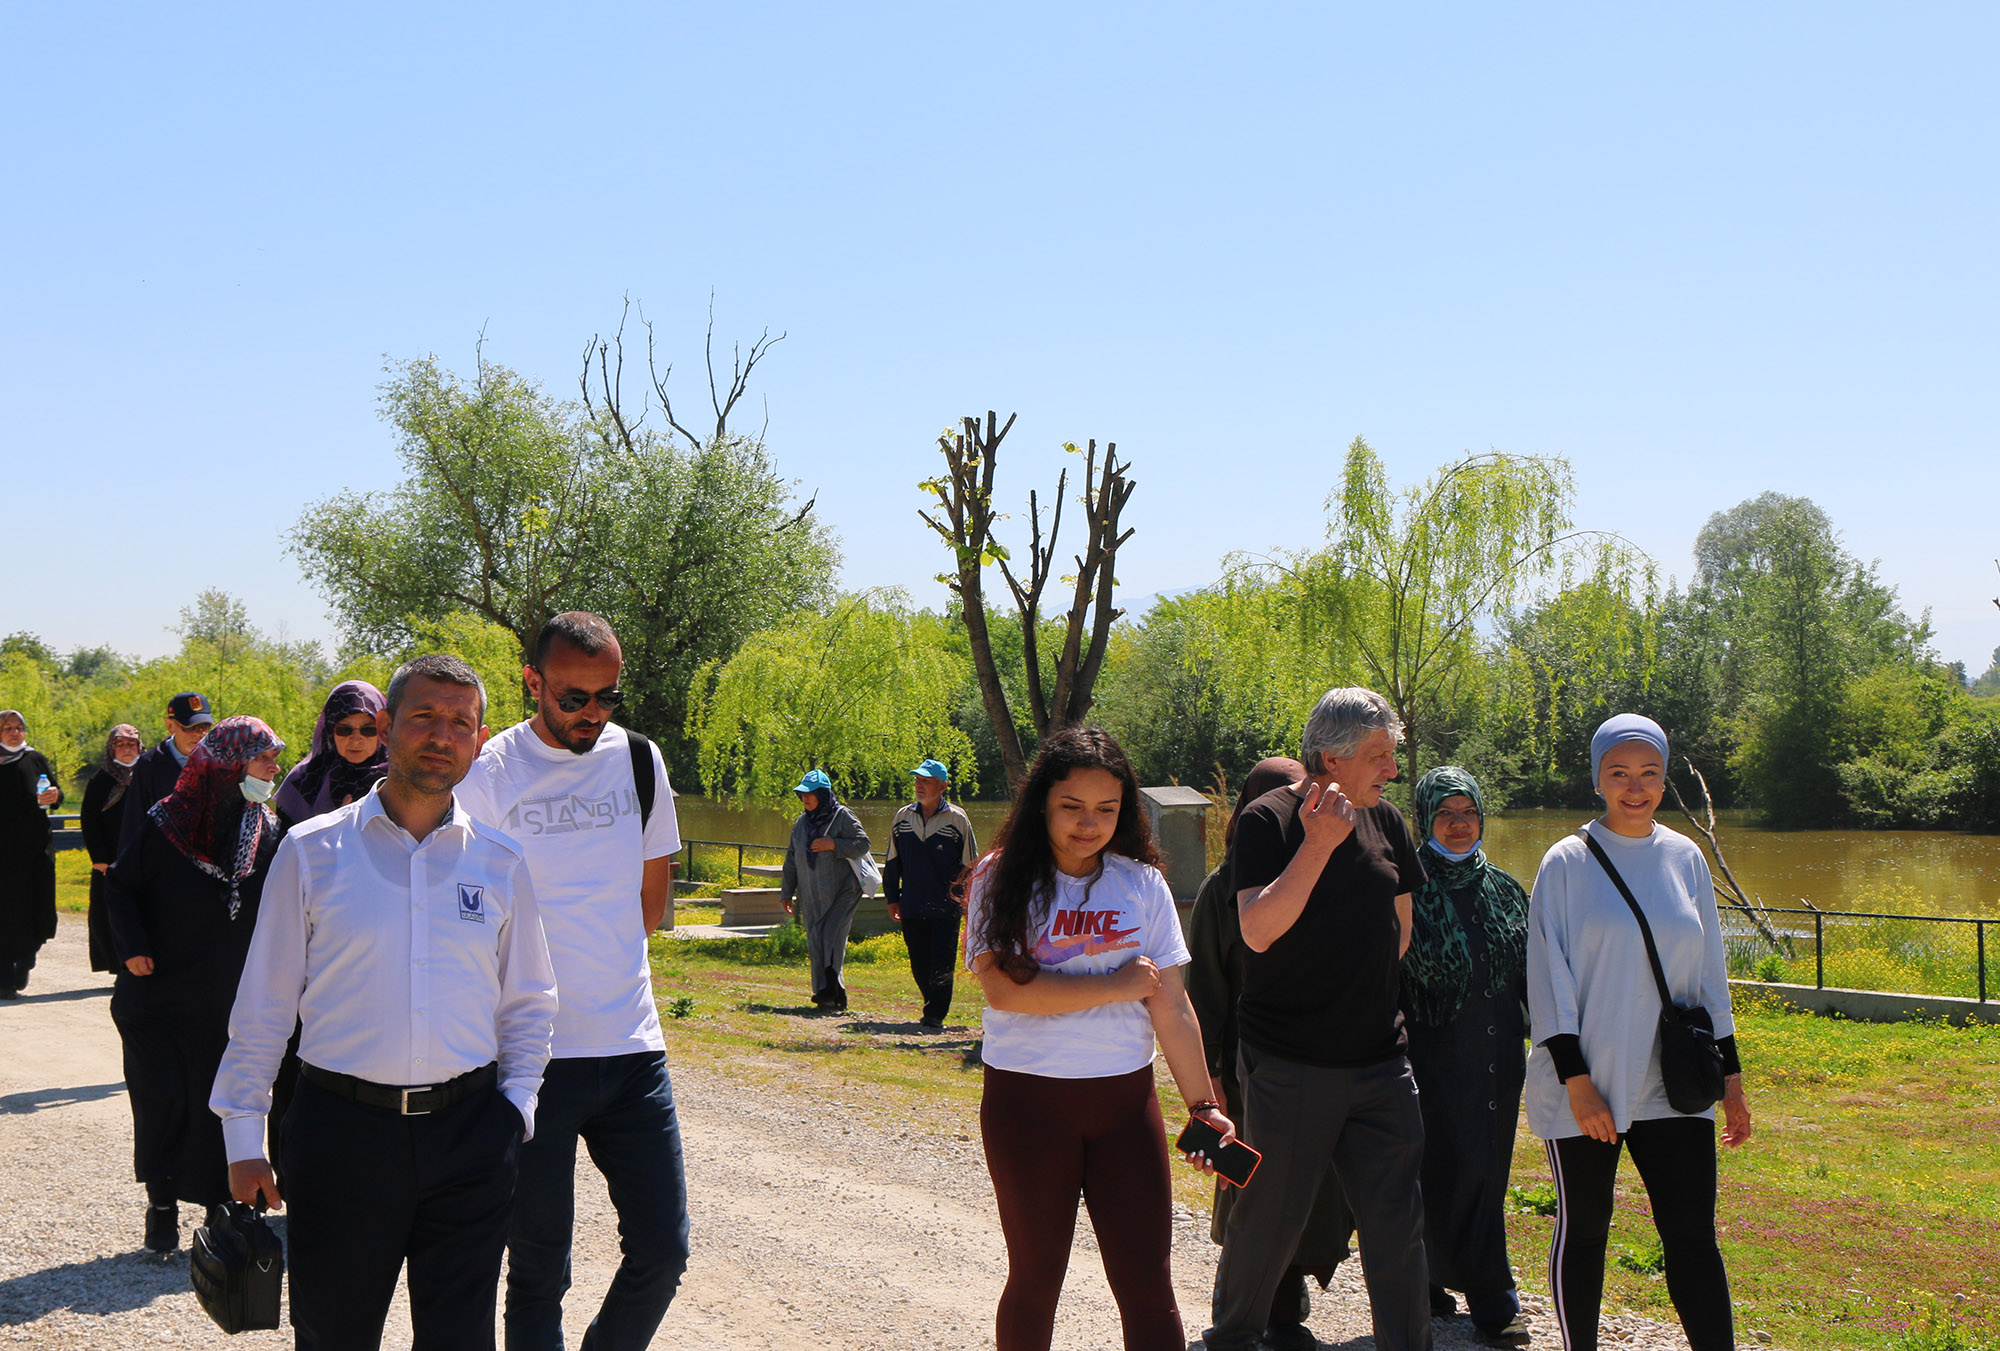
[
  {"x": 1093, "y": 927},
  {"x": 577, "y": 818}
]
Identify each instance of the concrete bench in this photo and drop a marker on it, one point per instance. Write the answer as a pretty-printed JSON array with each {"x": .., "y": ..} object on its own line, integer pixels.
[{"x": 752, "y": 905}]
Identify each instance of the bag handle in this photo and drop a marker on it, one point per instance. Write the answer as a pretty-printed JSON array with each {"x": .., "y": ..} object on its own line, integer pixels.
[{"x": 1645, "y": 929}]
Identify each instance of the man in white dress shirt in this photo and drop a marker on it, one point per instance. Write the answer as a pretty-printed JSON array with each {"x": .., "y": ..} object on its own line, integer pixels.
[
  {"x": 591, "y": 806},
  {"x": 405, "y": 937}
]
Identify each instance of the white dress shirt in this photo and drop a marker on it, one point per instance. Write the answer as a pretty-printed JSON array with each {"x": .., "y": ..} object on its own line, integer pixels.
[{"x": 410, "y": 962}]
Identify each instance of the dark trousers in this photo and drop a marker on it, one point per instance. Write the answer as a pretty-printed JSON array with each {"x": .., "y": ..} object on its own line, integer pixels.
[
  {"x": 1675, "y": 1157},
  {"x": 933, "y": 944},
  {"x": 622, "y": 1107},
  {"x": 1049, "y": 1141},
  {"x": 1367, "y": 1123},
  {"x": 368, "y": 1189}
]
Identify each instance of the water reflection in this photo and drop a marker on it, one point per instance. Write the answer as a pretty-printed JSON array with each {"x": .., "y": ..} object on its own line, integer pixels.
[{"x": 1912, "y": 871}]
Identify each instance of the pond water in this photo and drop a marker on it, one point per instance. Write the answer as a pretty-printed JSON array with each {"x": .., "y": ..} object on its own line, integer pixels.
[{"x": 1903, "y": 871}]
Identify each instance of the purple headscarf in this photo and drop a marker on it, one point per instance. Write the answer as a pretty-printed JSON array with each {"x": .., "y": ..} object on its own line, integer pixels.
[{"x": 326, "y": 780}]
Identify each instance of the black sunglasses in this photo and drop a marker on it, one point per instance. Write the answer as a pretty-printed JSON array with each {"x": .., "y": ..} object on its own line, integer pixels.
[{"x": 575, "y": 700}]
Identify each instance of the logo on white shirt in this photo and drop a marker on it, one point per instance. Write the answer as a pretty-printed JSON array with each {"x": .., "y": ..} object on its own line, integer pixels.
[
  {"x": 472, "y": 902},
  {"x": 563, "y": 813}
]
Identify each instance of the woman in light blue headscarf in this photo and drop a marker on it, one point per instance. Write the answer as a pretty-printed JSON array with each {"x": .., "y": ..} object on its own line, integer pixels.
[
  {"x": 820, "y": 884},
  {"x": 1464, "y": 1010}
]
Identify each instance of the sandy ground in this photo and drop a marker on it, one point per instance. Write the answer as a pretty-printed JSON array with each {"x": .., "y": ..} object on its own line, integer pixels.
[{"x": 803, "y": 1237}]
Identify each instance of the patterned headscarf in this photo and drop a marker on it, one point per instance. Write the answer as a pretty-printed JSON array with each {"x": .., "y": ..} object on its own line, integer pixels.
[
  {"x": 121, "y": 775},
  {"x": 326, "y": 780},
  {"x": 8, "y": 757},
  {"x": 206, "y": 817},
  {"x": 1437, "y": 970}
]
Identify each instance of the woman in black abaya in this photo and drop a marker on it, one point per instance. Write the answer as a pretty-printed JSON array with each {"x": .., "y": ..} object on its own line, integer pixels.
[{"x": 182, "y": 900}]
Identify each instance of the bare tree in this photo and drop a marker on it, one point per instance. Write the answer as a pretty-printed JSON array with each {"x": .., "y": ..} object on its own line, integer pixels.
[{"x": 964, "y": 520}]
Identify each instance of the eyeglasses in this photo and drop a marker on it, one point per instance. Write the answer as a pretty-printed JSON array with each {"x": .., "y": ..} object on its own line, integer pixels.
[
  {"x": 574, "y": 701},
  {"x": 1457, "y": 818},
  {"x": 348, "y": 729}
]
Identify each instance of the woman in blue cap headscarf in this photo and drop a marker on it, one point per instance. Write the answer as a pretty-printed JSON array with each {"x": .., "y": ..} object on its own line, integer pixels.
[
  {"x": 820, "y": 884},
  {"x": 1594, "y": 1084},
  {"x": 1463, "y": 1001}
]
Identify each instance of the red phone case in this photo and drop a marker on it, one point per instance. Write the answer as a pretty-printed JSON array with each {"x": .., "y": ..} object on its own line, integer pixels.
[{"x": 1209, "y": 1138}]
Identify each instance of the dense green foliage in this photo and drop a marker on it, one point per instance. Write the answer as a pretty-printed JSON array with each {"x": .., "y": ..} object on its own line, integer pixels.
[
  {"x": 515, "y": 506},
  {"x": 863, "y": 690}
]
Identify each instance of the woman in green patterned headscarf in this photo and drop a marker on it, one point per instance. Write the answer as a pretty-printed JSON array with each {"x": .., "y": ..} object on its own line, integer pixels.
[{"x": 1464, "y": 992}]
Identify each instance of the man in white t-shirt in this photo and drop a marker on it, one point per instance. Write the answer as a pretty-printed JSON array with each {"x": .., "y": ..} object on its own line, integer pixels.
[{"x": 590, "y": 804}]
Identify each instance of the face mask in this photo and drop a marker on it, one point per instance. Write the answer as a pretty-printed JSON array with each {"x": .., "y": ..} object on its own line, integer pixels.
[
  {"x": 125, "y": 763},
  {"x": 258, "y": 790},
  {"x": 1455, "y": 858}
]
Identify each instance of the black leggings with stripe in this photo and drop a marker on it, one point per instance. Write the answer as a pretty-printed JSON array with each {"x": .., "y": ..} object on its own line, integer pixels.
[{"x": 1675, "y": 1157}]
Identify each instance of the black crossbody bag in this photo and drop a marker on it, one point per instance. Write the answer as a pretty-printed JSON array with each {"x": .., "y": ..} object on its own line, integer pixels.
[
  {"x": 1690, "y": 1061},
  {"x": 237, "y": 1269}
]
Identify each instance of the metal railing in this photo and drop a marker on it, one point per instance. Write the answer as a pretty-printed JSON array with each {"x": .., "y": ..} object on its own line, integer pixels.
[
  {"x": 1864, "y": 950},
  {"x": 688, "y": 881}
]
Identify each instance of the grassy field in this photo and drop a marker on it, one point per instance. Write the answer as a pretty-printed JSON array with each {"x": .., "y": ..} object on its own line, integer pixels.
[{"x": 1865, "y": 1212}]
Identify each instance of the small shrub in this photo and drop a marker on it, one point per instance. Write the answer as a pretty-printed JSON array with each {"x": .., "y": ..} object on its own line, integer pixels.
[
  {"x": 1645, "y": 1259},
  {"x": 1771, "y": 968},
  {"x": 1537, "y": 1200},
  {"x": 682, "y": 1006}
]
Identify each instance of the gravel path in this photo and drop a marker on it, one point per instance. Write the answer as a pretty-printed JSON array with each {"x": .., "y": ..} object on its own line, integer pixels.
[{"x": 803, "y": 1238}]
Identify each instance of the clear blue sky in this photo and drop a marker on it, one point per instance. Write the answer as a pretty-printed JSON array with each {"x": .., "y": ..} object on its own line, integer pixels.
[{"x": 1700, "y": 252}]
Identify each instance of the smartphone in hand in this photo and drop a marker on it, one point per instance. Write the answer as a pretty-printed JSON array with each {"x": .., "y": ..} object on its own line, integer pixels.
[{"x": 1235, "y": 1164}]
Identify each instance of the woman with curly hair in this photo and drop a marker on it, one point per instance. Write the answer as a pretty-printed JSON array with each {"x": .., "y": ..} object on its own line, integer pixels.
[
  {"x": 1071, "y": 932},
  {"x": 182, "y": 901}
]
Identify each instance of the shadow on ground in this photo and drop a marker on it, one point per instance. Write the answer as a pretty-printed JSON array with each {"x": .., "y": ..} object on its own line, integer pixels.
[
  {"x": 102, "y": 1285},
  {"x": 36, "y": 1100}
]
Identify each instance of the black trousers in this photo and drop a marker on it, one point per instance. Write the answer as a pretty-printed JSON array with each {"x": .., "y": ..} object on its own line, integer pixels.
[
  {"x": 368, "y": 1189},
  {"x": 1367, "y": 1123},
  {"x": 933, "y": 944},
  {"x": 1676, "y": 1161}
]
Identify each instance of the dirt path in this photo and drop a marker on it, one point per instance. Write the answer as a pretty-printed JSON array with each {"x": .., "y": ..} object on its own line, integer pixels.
[{"x": 805, "y": 1236}]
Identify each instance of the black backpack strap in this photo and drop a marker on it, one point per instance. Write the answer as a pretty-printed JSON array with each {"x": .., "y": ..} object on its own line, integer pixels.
[
  {"x": 1645, "y": 929},
  {"x": 642, "y": 774}
]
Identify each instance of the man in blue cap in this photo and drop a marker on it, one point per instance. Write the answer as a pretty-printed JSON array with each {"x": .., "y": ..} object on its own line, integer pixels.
[
  {"x": 189, "y": 716},
  {"x": 930, "y": 846}
]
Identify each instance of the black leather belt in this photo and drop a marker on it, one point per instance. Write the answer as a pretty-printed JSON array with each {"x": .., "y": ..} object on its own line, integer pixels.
[{"x": 415, "y": 1100}]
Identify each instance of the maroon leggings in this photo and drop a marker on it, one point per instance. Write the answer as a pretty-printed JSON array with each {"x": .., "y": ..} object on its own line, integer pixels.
[{"x": 1049, "y": 1141}]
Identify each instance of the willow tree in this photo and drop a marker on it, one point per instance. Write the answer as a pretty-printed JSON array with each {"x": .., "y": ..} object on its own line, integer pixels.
[
  {"x": 863, "y": 690},
  {"x": 1399, "y": 592}
]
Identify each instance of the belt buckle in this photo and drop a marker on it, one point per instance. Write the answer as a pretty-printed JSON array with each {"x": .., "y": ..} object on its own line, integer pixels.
[{"x": 424, "y": 1111}]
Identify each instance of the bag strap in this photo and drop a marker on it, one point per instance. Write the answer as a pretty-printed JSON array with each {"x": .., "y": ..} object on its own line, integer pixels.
[
  {"x": 1645, "y": 929},
  {"x": 642, "y": 774}
]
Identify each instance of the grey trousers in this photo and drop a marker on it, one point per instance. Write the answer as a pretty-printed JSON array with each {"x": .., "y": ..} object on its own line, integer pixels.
[
  {"x": 826, "y": 923},
  {"x": 1366, "y": 1121}
]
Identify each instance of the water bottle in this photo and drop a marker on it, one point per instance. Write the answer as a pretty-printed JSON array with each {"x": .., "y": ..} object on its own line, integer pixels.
[{"x": 41, "y": 786}]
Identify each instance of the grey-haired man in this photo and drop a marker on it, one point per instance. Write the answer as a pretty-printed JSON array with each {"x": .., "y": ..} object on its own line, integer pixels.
[{"x": 1324, "y": 873}]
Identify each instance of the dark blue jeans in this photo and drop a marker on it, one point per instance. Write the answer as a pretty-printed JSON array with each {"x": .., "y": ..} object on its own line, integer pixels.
[{"x": 623, "y": 1109}]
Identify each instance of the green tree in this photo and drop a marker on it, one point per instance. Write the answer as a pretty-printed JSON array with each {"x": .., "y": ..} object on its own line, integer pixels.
[
  {"x": 1406, "y": 578},
  {"x": 515, "y": 505},
  {"x": 1174, "y": 695},
  {"x": 1803, "y": 620},
  {"x": 863, "y": 690}
]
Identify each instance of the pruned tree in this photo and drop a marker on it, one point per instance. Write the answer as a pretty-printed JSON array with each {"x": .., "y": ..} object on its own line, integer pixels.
[{"x": 964, "y": 520}]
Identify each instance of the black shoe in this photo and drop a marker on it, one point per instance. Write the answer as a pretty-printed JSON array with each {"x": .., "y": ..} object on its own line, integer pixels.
[
  {"x": 934, "y": 1024},
  {"x": 1289, "y": 1337},
  {"x": 1511, "y": 1333},
  {"x": 1443, "y": 1305},
  {"x": 163, "y": 1228},
  {"x": 8, "y": 992}
]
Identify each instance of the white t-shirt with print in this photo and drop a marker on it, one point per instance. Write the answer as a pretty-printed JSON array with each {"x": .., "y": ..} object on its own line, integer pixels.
[
  {"x": 1094, "y": 927},
  {"x": 577, "y": 818}
]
